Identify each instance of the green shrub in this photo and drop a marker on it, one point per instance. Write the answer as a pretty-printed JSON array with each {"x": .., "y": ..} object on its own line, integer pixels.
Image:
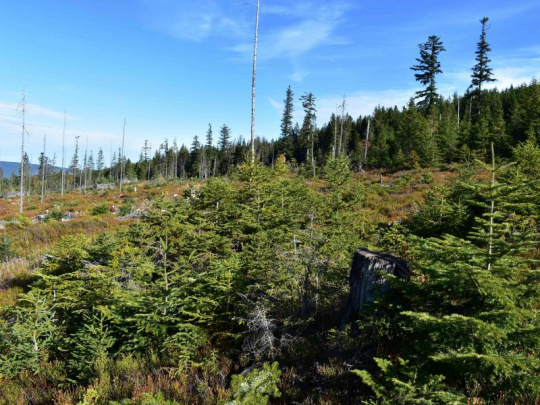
[
  {"x": 428, "y": 178},
  {"x": 100, "y": 209},
  {"x": 257, "y": 386},
  {"x": 125, "y": 209},
  {"x": 6, "y": 249},
  {"x": 54, "y": 215},
  {"x": 404, "y": 181}
]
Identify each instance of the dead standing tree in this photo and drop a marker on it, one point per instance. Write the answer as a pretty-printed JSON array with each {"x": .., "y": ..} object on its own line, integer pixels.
[
  {"x": 43, "y": 168},
  {"x": 63, "y": 154},
  {"x": 342, "y": 147},
  {"x": 253, "y": 87},
  {"x": 122, "y": 158},
  {"x": 22, "y": 111}
]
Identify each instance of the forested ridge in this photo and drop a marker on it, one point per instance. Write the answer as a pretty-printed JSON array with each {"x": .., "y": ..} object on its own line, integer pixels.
[{"x": 212, "y": 279}]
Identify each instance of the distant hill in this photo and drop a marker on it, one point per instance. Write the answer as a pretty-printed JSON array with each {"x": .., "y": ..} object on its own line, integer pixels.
[{"x": 13, "y": 167}]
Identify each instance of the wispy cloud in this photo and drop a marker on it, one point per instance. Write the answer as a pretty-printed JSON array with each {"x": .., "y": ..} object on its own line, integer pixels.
[
  {"x": 291, "y": 9},
  {"x": 512, "y": 10},
  {"x": 299, "y": 75},
  {"x": 194, "y": 21},
  {"x": 309, "y": 25},
  {"x": 297, "y": 39},
  {"x": 361, "y": 102},
  {"x": 356, "y": 104},
  {"x": 11, "y": 109},
  {"x": 288, "y": 30},
  {"x": 277, "y": 105},
  {"x": 520, "y": 67},
  {"x": 507, "y": 77},
  {"x": 41, "y": 121},
  {"x": 297, "y": 28},
  {"x": 469, "y": 15}
]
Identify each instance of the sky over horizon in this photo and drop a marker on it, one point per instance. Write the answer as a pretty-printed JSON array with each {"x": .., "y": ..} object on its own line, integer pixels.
[{"x": 170, "y": 67}]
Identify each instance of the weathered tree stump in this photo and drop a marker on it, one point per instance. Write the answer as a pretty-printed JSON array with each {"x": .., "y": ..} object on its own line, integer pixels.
[{"x": 366, "y": 280}]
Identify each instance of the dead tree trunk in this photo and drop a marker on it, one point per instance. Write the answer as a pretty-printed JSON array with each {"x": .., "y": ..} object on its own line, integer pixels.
[
  {"x": 366, "y": 280},
  {"x": 22, "y": 110},
  {"x": 43, "y": 167},
  {"x": 253, "y": 87},
  {"x": 122, "y": 156},
  {"x": 64, "y": 154}
]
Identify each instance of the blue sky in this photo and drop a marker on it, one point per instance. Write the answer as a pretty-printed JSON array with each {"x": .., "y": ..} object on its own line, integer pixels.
[{"x": 171, "y": 67}]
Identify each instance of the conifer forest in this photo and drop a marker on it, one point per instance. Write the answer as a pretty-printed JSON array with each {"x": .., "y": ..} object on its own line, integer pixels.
[{"x": 220, "y": 272}]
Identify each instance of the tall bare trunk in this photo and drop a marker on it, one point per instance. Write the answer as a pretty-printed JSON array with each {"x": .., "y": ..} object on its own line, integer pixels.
[
  {"x": 253, "y": 87},
  {"x": 43, "y": 168},
  {"x": 76, "y": 162},
  {"x": 63, "y": 154},
  {"x": 341, "y": 140},
  {"x": 335, "y": 135},
  {"x": 22, "y": 109},
  {"x": 85, "y": 164},
  {"x": 122, "y": 155}
]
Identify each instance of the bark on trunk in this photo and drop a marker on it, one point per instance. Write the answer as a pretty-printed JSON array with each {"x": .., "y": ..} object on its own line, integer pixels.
[{"x": 365, "y": 280}]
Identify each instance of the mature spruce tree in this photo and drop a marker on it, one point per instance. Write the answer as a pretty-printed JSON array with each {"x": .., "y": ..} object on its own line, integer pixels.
[
  {"x": 533, "y": 112},
  {"x": 428, "y": 67},
  {"x": 183, "y": 160},
  {"x": 286, "y": 121},
  {"x": 209, "y": 149},
  {"x": 224, "y": 137},
  {"x": 194, "y": 156},
  {"x": 224, "y": 145},
  {"x": 209, "y": 137},
  {"x": 286, "y": 124},
  {"x": 307, "y": 133},
  {"x": 481, "y": 72},
  {"x": 414, "y": 137}
]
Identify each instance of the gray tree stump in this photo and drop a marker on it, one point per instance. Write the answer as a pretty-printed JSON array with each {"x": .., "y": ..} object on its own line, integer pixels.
[{"x": 366, "y": 280}]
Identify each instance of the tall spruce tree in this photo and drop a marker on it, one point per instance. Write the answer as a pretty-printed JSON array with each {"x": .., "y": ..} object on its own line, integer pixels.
[
  {"x": 224, "y": 137},
  {"x": 209, "y": 137},
  {"x": 209, "y": 150},
  {"x": 307, "y": 133},
  {"x": 533, "y": 112},
  {"x": 414, "y": 137},
  {"x": 428, "y": 67},
  {"x": 481, "y": 72},
  {"x": 286, "y": 123},
  {"x": 224, "y": 148}
]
